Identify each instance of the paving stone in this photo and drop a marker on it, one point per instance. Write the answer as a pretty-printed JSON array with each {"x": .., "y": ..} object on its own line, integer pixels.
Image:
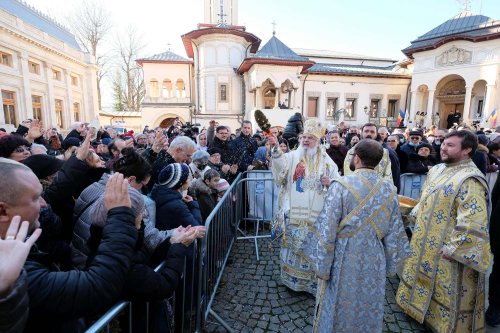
[{"x": 253, "y": 298}]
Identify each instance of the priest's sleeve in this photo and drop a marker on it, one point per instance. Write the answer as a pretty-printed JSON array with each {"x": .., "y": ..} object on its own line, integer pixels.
[
  {"x": 319, "y": 245},
  {"x": 469, "y": 240},
  {"x": 396, "y": 243}
]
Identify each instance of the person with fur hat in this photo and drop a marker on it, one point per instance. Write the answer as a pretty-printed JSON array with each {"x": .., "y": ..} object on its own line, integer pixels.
[
  {"x": 174, "y": 207},
  {"x": 304, "y": 174},
  {"x": 484, "y": 160},
  {"x": 421, "y": 162}
]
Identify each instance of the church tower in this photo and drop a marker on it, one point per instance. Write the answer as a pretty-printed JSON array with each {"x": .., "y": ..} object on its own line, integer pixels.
[{"x": 221, "y": 11}]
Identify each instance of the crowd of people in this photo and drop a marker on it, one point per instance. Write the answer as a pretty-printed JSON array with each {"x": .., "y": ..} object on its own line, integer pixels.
[{"x": 102, "y": 210}]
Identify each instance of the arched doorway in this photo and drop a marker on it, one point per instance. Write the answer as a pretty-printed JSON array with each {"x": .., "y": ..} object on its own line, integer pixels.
[
  {"x": 477, "y": 100},
  {"x": 169, "y": 120},
  {"x": 450, "y": 95}
]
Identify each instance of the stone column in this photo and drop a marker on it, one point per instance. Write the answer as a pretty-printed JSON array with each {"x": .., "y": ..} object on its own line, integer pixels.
[
  {"x": 51, "y": 101},
  {"x": 468, "y": 95},
  {"x": 430, "y": 109},
  {"x": 413, "y": 108},
  {"x": 26, "y": 89},
  {"x": 69, "y": 97},
  {"x": 487, "y": 100}
]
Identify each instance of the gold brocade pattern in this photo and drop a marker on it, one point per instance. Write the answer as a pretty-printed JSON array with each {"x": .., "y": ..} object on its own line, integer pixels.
[
  {"x": 452, "y": 218},
  {"x": 383, "y": 169}
]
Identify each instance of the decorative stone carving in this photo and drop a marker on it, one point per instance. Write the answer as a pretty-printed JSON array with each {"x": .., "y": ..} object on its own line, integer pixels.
[
  {"x": 454, "y": 87},
  {"x": 454, "y": 56}
]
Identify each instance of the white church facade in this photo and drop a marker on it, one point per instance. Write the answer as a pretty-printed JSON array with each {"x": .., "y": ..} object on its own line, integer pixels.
[
  {"x": 43, "y": 72},
  {"x": 228, "y": 74}
]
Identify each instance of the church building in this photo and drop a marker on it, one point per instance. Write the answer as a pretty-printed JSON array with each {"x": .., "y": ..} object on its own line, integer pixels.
[{"x": 229, "y": 73}]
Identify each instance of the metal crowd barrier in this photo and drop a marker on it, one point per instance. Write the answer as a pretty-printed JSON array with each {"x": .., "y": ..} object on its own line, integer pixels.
[
  {"x": 259, "y": 206},
  {"x": 182, "y": 302},
  {"x": 411, "y": 184}
]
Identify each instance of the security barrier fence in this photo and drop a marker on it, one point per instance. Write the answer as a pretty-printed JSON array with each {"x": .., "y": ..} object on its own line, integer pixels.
[{"x": 243, "y": 213}]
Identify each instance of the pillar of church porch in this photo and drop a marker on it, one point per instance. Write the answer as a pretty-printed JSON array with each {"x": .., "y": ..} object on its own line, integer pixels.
[
  {"x": 468, "y": 96},
  {"x": 413, "y": 107},
  {"x": 430, "y": 109},
  {"x": 487, "y": 100}
]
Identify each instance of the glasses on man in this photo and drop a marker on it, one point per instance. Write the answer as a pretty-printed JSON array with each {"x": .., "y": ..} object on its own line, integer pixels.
[
  {"x": 414, "y": 138},
  {"x": 391, "y": 140},
  {"x": 22, "y": 149}
]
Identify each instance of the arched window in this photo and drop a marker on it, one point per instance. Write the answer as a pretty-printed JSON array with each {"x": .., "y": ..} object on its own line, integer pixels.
[
  {"x": 166, "y": 88},
  {"x": 180, "y": 89},
  {"x": 153, "y": 88}
]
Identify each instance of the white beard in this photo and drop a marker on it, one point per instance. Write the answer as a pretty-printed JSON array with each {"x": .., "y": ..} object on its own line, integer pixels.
[{"x": 308, "y": 153}]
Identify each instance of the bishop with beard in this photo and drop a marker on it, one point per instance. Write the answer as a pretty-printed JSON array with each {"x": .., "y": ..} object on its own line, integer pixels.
[{"x": 304, "y": 175}]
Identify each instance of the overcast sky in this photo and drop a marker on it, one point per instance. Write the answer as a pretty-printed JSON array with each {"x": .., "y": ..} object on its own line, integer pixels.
[{"x": 376, "y": 28}]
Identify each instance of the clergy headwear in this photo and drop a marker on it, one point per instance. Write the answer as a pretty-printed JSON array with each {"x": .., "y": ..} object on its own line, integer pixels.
[{"x": 314, "y": 127}]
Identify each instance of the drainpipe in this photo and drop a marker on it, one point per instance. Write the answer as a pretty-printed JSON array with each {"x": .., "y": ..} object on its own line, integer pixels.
[
  {"x": 303, "y": 93},
  {"x": 191, "y": 98},
  {"x": 243, "y": 90}
]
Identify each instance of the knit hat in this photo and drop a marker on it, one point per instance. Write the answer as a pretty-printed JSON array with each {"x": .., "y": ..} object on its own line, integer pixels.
[
  {"x": 99, "y": 213},
  {"x": 174, "y": 175},
  {"x": 222, "y": 185},
  {"x": 200, "y": 155},
  {"x": 43, "y": 165},
  {"x": 424, "y": 145},
  {"x": 106, "y": 141},
  {"x": 70, "y": 142},
  {"x": 482, "y": 139},
  {"x": 139, "y": 136}
]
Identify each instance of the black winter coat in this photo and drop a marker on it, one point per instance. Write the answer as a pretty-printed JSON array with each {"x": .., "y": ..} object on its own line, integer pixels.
[
  {"x": 224, "y": 149},
  {"x": 418, "y": 164},
  {"x": 71, "y": 180},
  {"x": 171, "y": 211},
  {"x": 294, "y": 126},
  {"x": 162, "y": 160},
  {"x": 243, "y": 149},
  {"x": 59, "y": 299},
  {"x": 14, "y": 307}
]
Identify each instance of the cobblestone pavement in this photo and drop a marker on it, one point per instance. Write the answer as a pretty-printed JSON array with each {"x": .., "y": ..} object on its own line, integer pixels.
[{"x": 252, "y": 298}]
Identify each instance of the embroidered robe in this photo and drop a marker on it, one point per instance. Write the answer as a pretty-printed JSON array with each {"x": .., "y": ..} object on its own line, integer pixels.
[
  {"x": 383, "y": 169},
  {"x": 452, "y": 218},
  {"x": 357, "y": 240},
  {"x": 302, "y": 197}
]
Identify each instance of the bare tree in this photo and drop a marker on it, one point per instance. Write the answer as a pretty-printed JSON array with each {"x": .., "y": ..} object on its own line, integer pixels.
[
  {"x": 128, "y": 47},
  {"x": 91, "y": 23}
]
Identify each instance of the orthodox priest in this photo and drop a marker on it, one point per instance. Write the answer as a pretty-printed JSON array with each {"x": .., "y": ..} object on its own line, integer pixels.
[
  {"x": 386, "y": 168},
  {"x": 304, "y": 175},
  {"x": 443, "y": 279},
  {"x": 357, "y": 240}
]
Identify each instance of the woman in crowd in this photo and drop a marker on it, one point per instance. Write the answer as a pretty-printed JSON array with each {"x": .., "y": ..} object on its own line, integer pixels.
[
  {"x": 199, "y": 164},
  {"x": 14, "y": 147},
  {"x": 354, "y": 140},
  {"x": 422, "y": 161},
  {"x": 174, "y": 207},
  {"x": 201, "y": 142}
]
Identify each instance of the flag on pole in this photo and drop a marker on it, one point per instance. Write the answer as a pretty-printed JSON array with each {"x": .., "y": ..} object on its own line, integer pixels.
[
  {"x": 405, "y": 120},
  {"x": 493, "y": 116},
  {"x": 401, "y": 117}
]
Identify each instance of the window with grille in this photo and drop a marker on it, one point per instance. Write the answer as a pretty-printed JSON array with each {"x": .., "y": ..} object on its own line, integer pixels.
[
  {"x": 331, "y": 107},
  {"x": 350, "y": 108},
  {"x": 33, "y": 67}
]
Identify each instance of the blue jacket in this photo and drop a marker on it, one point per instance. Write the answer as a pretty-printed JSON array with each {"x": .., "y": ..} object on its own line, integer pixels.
[{"x": 171, "y": 211}]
